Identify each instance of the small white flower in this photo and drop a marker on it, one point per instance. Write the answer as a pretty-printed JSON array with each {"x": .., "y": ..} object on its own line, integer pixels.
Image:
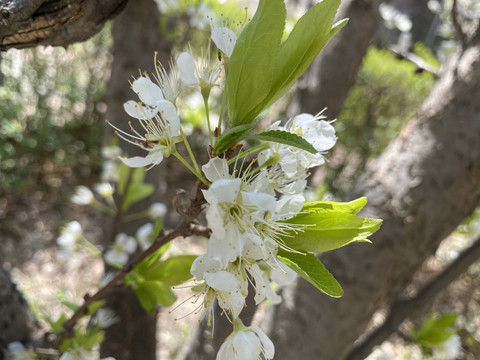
[
  {"x": 16, "y": 351},
  {"x": 157, "y": 210},
  {"x": 246, "y": 344},
  {"x": 110, "y": 171},
  {"x": 123, "y": 247},
  {"x": 83, "y": 196},
  {"x": 449, "y": 349},
  {"x": 69, "y": 236},
  {"x": 162, "y": 126},
  {"x": 144, "y": 235},
  {"x": 111, "y": 152},
  {"x": 203, "y": 72},
  {"x": 106, "y": 318},
  {"x": 104, "y": 189}
]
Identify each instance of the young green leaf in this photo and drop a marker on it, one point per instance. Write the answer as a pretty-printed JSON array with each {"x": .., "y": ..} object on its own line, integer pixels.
[
  {"x": 435, "y": 330},
  {"x": 312, "y": 270},
  {"x": 329, "y": 226},
  {"x": 230, "y": 137},
  {"x": 285, "y": 137},
  {"x": 308, "y": 37},
  {"x": 137, "y": 192},
  {"x": 153, "y": 293},
  {"x": 250, "y": 69},
  {"x": 173, "y": 271}
]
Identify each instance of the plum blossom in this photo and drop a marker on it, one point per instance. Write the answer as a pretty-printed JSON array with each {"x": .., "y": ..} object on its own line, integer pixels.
[
  {"x": 289, "y": 174},
  {"x": 246, "y": 343},
  {"x": 83, "y": 196},
  {"x": 123, "y": 247}
]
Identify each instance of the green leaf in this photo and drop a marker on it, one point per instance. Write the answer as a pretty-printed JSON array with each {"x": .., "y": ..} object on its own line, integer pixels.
[
  {"x": 57, "y": 325},
  {"x": 287, "y": 138},
  {"x": 230, "y": 138},
  {"x": 94, "y": 306},
  {"x": 137, "y": 192},
  {"x": 312, "y": 270},
  {"x": 173, "y": 271},
  {"x": 329, "y": 226},
  {"x": 250, "y": 69},
  {"x": 153, "y": 293},
  {"x": 435, "y": 330},
  {"x": 308, "y": 37}
]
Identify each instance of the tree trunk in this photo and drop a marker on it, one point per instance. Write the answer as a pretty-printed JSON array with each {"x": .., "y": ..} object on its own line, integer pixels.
[
  {"x": 423, "y": 186},
  {"x": 53, "y": 22},
  {"x": 16, "y": 320}
]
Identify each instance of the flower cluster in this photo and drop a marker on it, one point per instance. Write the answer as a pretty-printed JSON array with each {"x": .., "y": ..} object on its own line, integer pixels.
[{"x": 247, "y": 206}]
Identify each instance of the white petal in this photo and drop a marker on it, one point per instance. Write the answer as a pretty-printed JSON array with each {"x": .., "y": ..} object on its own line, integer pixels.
[
  {"x": 147, "y": 91},
  {"x": 224, "y": 249},
  {"x": 138, "y": 111},
  {"x": 139, "y": 161},
  {"x": 223, "y": 190},
  {"x": 267, "y": 344},
  {"x": 283, "y": 275},
  {"x": 168, "y": 112},
  {"x": 216, "y": 169},
  {"x": 186, "y": 66},
  {"x": 221, "y": 280},
  {"x": 259, "y": 200},
  {"x": 225, "y": 39},
  {"x": 288, "y": 206},
  {"x": 204, "y": 264}
]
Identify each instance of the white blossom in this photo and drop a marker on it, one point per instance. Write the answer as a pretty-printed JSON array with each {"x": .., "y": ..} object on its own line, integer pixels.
[
  {"x": 104, "y": 189},
  {"x": 225, "y": 39},
  {"x": 121, "y": 250},
  {"x": 246, "y": 344},
  {"x": 449, "y": 349},
  {"x": 16, "y": 351},
  {"x": 83, "y": 196},
  {"x": 69, "y": 236},
  {"x": 144, "y": 235},
  {"x": 157, "y": 210},
  {"x": 106, "y": 318}
]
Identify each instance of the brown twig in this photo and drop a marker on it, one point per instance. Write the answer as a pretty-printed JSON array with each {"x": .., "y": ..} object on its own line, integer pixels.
[
  {"x": 184, "y": 229},
  {"x": 421, "y": 64},
  {"x": 404, "y": 308}
]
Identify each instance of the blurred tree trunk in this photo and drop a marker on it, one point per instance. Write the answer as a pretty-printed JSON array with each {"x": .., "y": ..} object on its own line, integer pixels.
[
  {"x": 136, "y": 37},
  {"x": 423, "y": 186},
  {"x": 328, "y": 80},
  {"x": 16, "y": 320}
]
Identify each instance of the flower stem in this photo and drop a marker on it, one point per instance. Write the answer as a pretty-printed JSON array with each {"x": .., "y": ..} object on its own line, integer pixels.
[
  {"x": 189, "y": 167},
  {"x": 189, "y": 149},
  {"x": 207, "y": 113}
]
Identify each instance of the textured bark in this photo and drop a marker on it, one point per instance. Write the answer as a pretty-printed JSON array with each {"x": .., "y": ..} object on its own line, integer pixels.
[
  {"x": 136, "y": 38},
  {"x": 423, "y": 186},
  {"x": 332, "y": 74},
  {"x": 16, "y": 320},
  {"x": 28, "y": 23}
]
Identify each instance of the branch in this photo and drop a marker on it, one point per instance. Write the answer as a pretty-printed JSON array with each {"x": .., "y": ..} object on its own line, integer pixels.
[
  {"x": 184, "y": 229},
  {"x": 28, "y": 23},
  {"x": 404, "y": 308},
  {"x": 457, "y": 24},
  {"x": 421, "y": 64}
]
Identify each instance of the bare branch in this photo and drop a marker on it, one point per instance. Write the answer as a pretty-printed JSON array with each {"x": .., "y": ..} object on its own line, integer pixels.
[{"x": 421, "y": 64}]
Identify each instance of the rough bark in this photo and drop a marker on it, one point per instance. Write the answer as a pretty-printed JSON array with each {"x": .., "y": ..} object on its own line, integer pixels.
[
  {"x": 16, "y": 320},
  {"x": 136, "y": 38},
  {"x": 423, "y": 186},
  {"x": 332, "y": 74},
  {"x": 53, "y": 22}
]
